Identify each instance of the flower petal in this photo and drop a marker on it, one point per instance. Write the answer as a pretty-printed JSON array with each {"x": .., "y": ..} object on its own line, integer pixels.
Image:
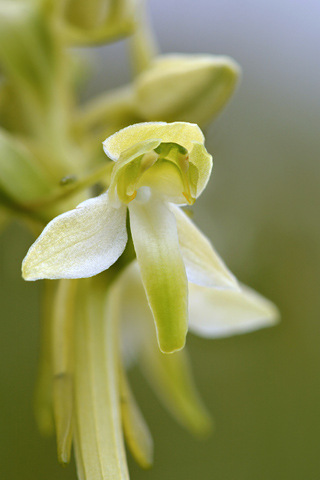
[
  {"x": 80, "y": 243},
  {"x": 178, "y": 132},
  {"x": 135, "y": 429},
  {"x": 203, "y": 264},
  {"x": 170, "y": 376},
  {"x": 129, "y": 168},
  {"x": 155, "y": 239},
  {"x": 220, "y": 313},
  {"x": 200, "y": 158}
]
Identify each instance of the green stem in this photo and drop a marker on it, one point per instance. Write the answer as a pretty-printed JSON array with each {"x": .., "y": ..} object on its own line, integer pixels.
[
  {"x": 99, "y": 439},
  {"x": 63, "y": 364},
  {"x": 111, "y": 108},
  {"x": 65, "y": 191},
  {"x": 143, "y": 44},
  {"x": 43, "y": 391}
]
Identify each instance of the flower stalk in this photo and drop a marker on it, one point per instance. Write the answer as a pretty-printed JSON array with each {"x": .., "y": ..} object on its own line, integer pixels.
[
  {"x": 99, "y": 440},
  {"x": 63, "y": 366}
]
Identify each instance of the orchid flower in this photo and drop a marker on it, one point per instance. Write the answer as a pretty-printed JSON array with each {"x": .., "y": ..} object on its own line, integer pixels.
[{"x": 158, "y": 167}]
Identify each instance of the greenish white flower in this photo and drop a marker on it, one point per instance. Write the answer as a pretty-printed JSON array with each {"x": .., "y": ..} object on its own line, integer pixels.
[{"x": 158, "y": 167}]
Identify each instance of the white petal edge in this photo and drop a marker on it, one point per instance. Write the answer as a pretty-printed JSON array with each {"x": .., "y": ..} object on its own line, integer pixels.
[
  {"x": 203, "y": 265},
  {"x": 80, "y": 243},
  {"x": 221, "y": 313}
]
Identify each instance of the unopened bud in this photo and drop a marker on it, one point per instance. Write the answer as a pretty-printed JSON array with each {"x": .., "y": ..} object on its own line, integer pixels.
[
  {"x": 27, "y": 52},
  {"x": 21, "y": 177},
  {"x": 191, "y": 88},
  {"x": 95, "y": 21}
]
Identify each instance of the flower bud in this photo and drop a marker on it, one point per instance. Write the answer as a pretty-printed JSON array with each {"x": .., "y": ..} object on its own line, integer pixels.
[
  {"x": 190, "y": 88},
  {"x": 27, "y": 52},
  {"x": 97, "y": 21},
  {"x": 86, "y": 15},
  {"x": 21, "y": 178}
]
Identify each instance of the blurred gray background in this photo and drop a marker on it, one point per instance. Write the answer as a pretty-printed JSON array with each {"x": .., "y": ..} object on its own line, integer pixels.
[{"x": 261, "y": 210}]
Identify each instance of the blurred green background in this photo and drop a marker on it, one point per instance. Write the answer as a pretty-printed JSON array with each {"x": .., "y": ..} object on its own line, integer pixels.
[{"x": 261, "y": 210}]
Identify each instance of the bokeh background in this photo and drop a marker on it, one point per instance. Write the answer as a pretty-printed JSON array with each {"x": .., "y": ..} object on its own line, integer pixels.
[{"x": 261, "y": 210}]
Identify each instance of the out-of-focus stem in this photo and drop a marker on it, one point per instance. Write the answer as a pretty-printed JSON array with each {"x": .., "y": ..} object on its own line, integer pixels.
[
  {"x": 143, "y": 43},
  {"x": 63, "y": 363},
  {"x": 102, "y": 173},
  {"x": 107, "y": 109},
  {"x": 43, "y": 391}
]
